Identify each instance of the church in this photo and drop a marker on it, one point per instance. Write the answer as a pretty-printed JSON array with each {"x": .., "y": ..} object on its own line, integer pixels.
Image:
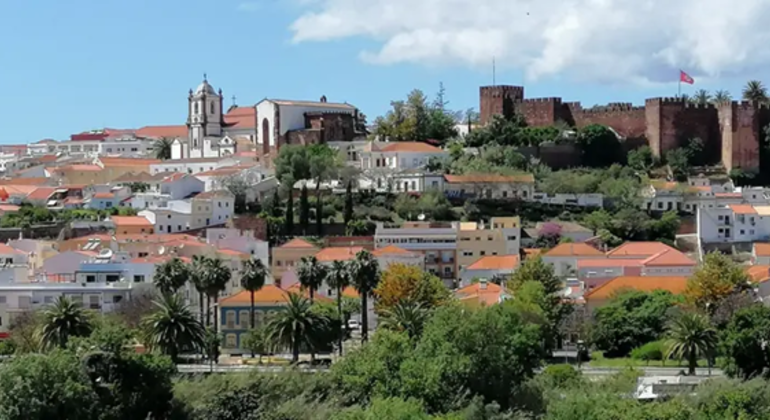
[{"x": 266, "y": 126}]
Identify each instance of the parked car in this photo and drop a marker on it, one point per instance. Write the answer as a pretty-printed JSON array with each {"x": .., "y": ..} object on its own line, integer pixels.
[{"x": 354, "y": 325}]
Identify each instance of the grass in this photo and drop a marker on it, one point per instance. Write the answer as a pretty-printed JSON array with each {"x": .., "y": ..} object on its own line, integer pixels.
[{"x": 598, "y": 360}]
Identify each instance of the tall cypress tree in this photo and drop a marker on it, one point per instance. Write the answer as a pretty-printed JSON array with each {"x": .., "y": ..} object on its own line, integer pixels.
[
  {"x": 319, "y": 216},
  {"x": 348, "y": 215},
  {"x": 289, "y": 218},
  {"x": 304, "y": 210}
]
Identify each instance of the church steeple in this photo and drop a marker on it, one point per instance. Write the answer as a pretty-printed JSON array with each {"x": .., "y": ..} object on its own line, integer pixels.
[{"x": 204, "y": 117}]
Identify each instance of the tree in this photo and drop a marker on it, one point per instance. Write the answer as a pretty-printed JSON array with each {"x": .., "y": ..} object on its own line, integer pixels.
[
  {"x": 631, "y": 319},
  {"x": 63, "y": 320},
  {"x": 289, "y": 215},
  {"x": 171, "y": 276},
  {"x": 252, "y": 280},
  {"x": 598, "y": 220},
  {"x": 401, "y": 283},
  {"x": 173, "y": 328},
  {"x": 548, "y": 236},
  {"x": 216, "y": 275},
  {"x": 690, "y": 336},
  {"x": 162, "y": 148},
  {"x": 295, "y": 325},
  {"x": 364, "y": 276},
  {"x": 257, "y": 340},
  {"x": 755, "y": 91},
  {"x": 347, "y": 215},
  {"x": 641, "y": 159},
  {"x": 338, "y": 278},
  {"x": 198, "y": 279},
  {"x": 405, "y": 316},
  {"x": 679, "y": 162},
  {"x": 715, "y": 280},
  {"x": 744, "y": 343},
  {"x": 599, "y": 145},
  {"x": 311, "y": 275},
  {"x": 721, "y": 96},
  {"x": 552, "y": 305},
  {"x": 701, "y": 97},
  {"x": 304, "y": 210}
]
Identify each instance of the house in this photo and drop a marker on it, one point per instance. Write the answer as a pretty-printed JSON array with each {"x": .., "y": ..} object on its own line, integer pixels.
[
  {"x": 212, "y": 208},
  {"x": 436, "y": 241},
  {"x": 380, "y": 161},
  {"x": 482, "y": 293},
  {"x": 734, "y": 223},
  {"x": 599, "y": 296},
  {"x": 288, "y": 255},
  {"x": 61, "y": 268},
  {"x": 490, "y": 186},
  {"x": 393, "y": 254},
  {"x": 564, "y": 257},
  {"x": 502, "y": 236},
  {"x": 492, "y": 268},
  {"x": 132, "y": 225},
  {"x": 760, "y": 253}
]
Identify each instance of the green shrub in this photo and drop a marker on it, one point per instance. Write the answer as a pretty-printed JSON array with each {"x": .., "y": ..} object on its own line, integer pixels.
[
  {"x": 560, "y": 376},
  {"x": 653, "y": 350}
]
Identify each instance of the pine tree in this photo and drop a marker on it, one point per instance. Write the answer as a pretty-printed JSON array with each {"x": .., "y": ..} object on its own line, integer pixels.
[
  {"x": 348, "y": 215},
  {"x": 289, "y": 219},
  {"x": 276, "y": 204},
  {"x": 304, "y": 210}
]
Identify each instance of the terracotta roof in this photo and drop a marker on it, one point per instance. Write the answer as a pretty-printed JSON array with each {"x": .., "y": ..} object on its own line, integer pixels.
[
  {"x": 675, "y": 285},
  {"x": 762, "y": 249},
  {"x": 8, "y": 208},
  {"x": 608, "y": 262},
  {"x": 728, "y": 195},
  {"x": 638, "y": 249},
  {"x": 8, "y": 250},
  {"x": 341, "y": 253},
  {"x": 104, "y": 195},
  {"x": 234, "y": 253},
  {"x": 743, "y": 209},
  {"x": 241, "y": 117},
  {"x": 286, "y": 102},
  {"x": 297, "y": 243},
  {"x": 41, "y": 193},
  {"x": 214, "y": 194},
  {"x": 47, "y": 158},
  {"x": 176, "y": 176},
  {"x": 350, "y": 292},
  {"x": 227, "y": 170},
  {"x": 475, "y": 295},
  {"x": 26, "y": 181},
  {"x": 532, "y": 252},
  {"x": 659, "y": 184},
  {"x": 410, "y": 146},
  {"x": 391, "y": 250},
  {"x": 131, "y": 221},
  {"x": 758, "y": 273},
  {"x": 79, "y": 167},
  {"x": 489, "y": 179},
  {"x": 495, "y": 262},
  {"x": 159, "y": 131},
  {"x": 573, "y": 250},
  {"x": 668, "y": 258},
  {"x": 270, "y": 294},
  {"x": 297, "y": 289},
  {"x": 191, "y": 160},
  {"x": 124, "y": 161},
  {"x": 140, "y": 176}
]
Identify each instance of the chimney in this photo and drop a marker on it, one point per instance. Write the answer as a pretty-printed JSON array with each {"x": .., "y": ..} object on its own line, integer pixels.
[
  {"x": 483, "y": 284},
  {"x": 323, "y": 99}
]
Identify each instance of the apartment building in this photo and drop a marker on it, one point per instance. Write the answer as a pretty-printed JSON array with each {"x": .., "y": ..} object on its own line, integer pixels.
[
  {"x": 475, "y": 240},
  {"x": 287, "y": 256},
  {"x": 490, "y": 186},
  {"x": 700, "y": 192},
  {"x": 736, "y": 223},
  {"x": 436, "y": 241}
]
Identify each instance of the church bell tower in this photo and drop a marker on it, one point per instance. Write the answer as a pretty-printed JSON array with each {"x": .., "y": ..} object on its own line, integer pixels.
[{"x": 204, "y": 117}]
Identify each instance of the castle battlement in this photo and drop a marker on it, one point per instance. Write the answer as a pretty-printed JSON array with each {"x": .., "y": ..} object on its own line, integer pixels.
[
  {"x": 613, "y": 107},
  {"x": 502, "y": 91},
  {"x": 691, "y": 105},
  {"x": 543, "y": 100},
  {"x": 666, "y": 100}
]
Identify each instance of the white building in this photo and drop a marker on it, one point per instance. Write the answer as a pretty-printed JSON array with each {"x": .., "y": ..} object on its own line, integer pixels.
[
  {"x": 192, "y": 165},
  {"x": 385, "y": 164},
  {"x": 734, "y": 223},
  {"x": 212, "y": 208}
]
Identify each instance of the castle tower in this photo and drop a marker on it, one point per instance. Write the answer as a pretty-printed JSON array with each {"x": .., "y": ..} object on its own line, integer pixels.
[
  {"x": 741, "y": 129},
  {"x": 498, "y": 100},
  {"x": 204, "y": 117}
]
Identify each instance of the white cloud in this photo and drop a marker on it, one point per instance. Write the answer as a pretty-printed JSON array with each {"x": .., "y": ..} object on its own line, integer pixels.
[{"x": 641, "y": 41}]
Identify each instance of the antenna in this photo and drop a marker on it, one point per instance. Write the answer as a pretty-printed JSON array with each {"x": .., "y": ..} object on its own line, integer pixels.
[{"x": 494, "y": 71}]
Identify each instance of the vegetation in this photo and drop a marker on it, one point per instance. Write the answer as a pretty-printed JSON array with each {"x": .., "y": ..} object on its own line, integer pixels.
[
  {"x": 408, "y": 283},
  {"x": 417, "y": 120}
]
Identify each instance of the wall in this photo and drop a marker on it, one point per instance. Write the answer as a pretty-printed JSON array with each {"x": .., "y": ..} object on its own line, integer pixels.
[
  {"x": 740, "y": 135},
  {"x": 498, "y": 100}
]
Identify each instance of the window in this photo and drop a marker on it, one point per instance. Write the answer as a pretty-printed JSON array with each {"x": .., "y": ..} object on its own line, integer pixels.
[
  {"x": 3, "y": 300},
  {"x": 220, "y": 204},
  {"x": 511, "y": 238},
  {"x": 91, "y": 279},
  {"x": 467, "y": 253},
  {"x": 169, "y": 216},
  {"x": 743, "y": 232},
  {"x": 179, "y": 228},
  {"x": 48, "y": 300},
  {"x": 112, "y": 278},
  {"x": 230, "y": 319},
  {"x": 117, "y": 299},
  {"x": 751, "y": 231},
  {"x": 482, "y": 253},
  {"x": 244, "y": 319},
  {"x": 277, "y": 263},
  {"x": 139, "y": 278},
  {"x": 231, "y": 341},
  {"x": 720, "y": 217},
  {"x": 196, "y": 109},
  {"x": 213, "y": 110}
]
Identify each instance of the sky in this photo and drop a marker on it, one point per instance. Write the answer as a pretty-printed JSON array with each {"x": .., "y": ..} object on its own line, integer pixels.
[{"x": 76, "y": 65}]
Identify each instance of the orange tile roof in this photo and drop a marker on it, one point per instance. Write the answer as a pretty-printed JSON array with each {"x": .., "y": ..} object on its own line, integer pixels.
[
  {"x": 638, "y": 249},
  {"x": 123, "y": 161},
  {"x": 241, "y": 117},
  {"x": 659, "y": 184},
  {"x": 476, "y": 288},
  {"x": 761, "y": 249},
  {"x": 668, "y": 258},
  {"x": 758, "y": 273},
  {"x": 131, "y": 221},
  {"x": 104, "y": 195},
  {"x": 159, "y": 131},
  {"x": 489, "y": 178},
  {"x": 728, "y": 195},
  {"x": 176, "y": 176},
  {"x": 41, "y": 193},
  {"x": 159, "y": 259},
  {"x": 573, "y": 250},
  {"x": 350, "y": 292},
  {"x": 474, "y": 295},
  {"x": 233, "y": 253},
  {"x": 675, "y": 285},
  {"x": 8, "y": 250},
  {"x": 608, "y": 262},
  {"x": 495, "y": 262},
  {"x": 743, "y": 209},
  {"x": 391, "y": 250},
  {"x": 297, "y": 243},
  {"x": 410, "y": 146},
  {"x": 532, "y": 252},
  {"x": 79, "y": 167},
  {"x": 341, "y": 253},
  {"x": 297, "y": 289},
  {"x": 9, "y": 207},
  {"x": 268, "y": 294},
  {"x": 25, "y": 181}
]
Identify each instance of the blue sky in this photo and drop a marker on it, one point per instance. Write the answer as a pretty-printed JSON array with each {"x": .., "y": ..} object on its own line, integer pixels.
[{"x": 70, "y": 66}]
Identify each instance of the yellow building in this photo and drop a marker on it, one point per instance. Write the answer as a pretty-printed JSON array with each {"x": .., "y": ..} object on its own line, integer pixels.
[
  {"x": 287, "y": 256},
  {"x": 474, "y": 241},
  {"x": 132, "y": 225}
]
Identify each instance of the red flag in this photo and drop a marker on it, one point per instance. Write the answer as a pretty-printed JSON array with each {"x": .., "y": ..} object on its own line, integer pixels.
[{"x": 685, "y": 78}]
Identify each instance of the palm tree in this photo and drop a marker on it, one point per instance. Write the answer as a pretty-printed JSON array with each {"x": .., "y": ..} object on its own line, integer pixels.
[
  {"x": 691, "y": 335},
  {"x": 173, "y": 328},
  {"x": 721, "y": 96},
  {"x": 63, "y": 320},
  {"x": 253, "y": 279},
  {"x": 338, "y": 278},
  {"x": 217, "y": 274},
  {"x": 162, "y": 148},
  {"x": 198, "y": 279},
  {"x": 311, "y": 274},
  {"x": 406, "y": 316},
  {"x": 171, "y": 276},
  {"x": 295, "y": 325},
  {"x": 702, "y": 96},
  {"x": 755, "y": 91},
  {"x": 364, "y": 276}
]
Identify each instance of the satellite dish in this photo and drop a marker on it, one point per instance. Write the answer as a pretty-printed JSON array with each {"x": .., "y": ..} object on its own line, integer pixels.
[
  {"x": 161, "y": 250},
  {"x": 421, "y": 217},
  {"x": 105, "y": 253}
]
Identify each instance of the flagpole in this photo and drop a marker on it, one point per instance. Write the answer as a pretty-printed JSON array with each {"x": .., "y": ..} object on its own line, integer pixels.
[{"x": 679, "y": 95}]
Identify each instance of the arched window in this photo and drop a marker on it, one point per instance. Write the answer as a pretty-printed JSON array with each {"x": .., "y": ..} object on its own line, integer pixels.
[
  {"x": 265, "y": 136},
  {"x": 213, "y": 109},
  {"x": 195, "y": 108}
]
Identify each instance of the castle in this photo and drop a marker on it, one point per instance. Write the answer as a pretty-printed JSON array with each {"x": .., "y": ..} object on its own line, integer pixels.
[{"x": 734, "y": 129}]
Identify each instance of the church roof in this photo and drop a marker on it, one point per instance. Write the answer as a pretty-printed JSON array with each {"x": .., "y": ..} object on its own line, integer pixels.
[
  {"x": 241, "y": 117},
  {"x": 158, "y": 131},
  {"x": 206, "y": 88},
  {"x": 314, "y": 104}
]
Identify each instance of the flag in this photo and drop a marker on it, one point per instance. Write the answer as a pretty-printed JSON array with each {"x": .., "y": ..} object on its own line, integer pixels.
[{"x": 685, "y": 78}]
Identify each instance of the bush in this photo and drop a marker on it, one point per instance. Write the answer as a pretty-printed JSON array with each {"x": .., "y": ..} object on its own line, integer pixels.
[
  {"x": 560, "y": 376},
  {"x": 653, "y": 350}
]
